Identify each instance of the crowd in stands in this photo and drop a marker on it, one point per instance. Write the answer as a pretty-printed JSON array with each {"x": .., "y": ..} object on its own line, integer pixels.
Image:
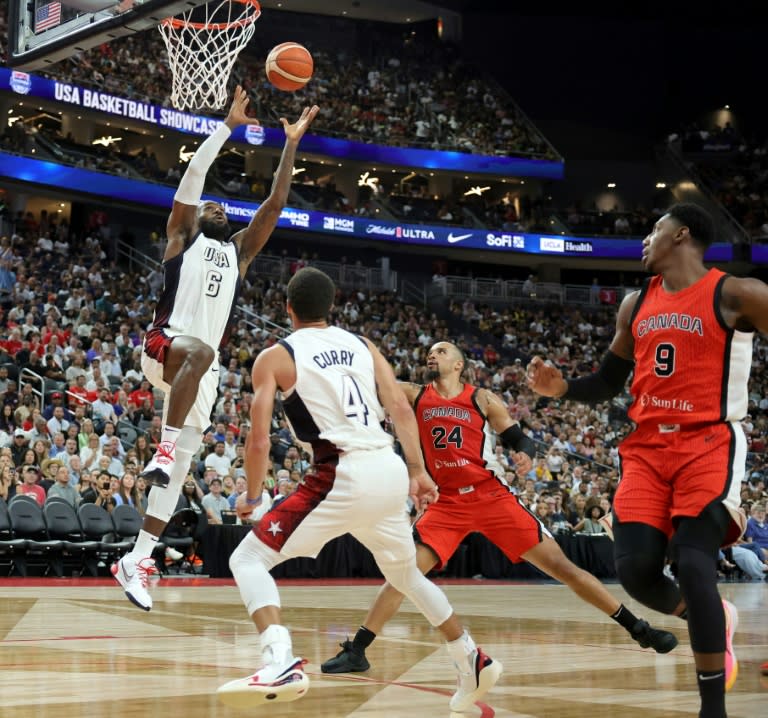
[
  {"x": 89, "y": 432},
  {"x": 735, "y": 169},
  {"x": 410, "y": 91}
]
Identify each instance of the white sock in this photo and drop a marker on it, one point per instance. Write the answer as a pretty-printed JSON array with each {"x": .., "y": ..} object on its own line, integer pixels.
[
  {"x": 145, "y": 544},
  {"x": 170, "y": 435},
  {"x": 276, "y": 645},
  {"x": 460, "y": 650}
]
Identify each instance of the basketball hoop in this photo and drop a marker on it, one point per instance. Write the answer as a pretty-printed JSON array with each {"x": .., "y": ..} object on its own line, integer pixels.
[{"x": 201, "y": 52}]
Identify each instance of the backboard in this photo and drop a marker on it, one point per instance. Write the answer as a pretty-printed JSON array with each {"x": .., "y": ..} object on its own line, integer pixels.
[{"x": 44, "y": 32}]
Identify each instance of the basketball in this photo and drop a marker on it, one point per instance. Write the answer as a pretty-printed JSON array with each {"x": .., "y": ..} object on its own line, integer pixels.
[{"x": 289, "y": 66}]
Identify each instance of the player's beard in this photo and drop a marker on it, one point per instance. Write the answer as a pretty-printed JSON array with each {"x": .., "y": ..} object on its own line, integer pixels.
[
  {"x": 216, "y": 230},
  {"x": 432, "y": 374}
]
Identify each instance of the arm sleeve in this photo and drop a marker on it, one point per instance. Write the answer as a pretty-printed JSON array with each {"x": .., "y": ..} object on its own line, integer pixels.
[
  {"x": 191, "y": 186},
  {"x": 604, "y": 384},
  {"x": 515, "y": 439}
]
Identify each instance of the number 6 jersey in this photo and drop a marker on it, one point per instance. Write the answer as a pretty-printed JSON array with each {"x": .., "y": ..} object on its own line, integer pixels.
[
  {"x": 334, "y": 400},
  {"x": 200, "y": 289}
]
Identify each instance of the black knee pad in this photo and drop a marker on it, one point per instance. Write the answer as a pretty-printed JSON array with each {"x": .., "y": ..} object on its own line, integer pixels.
[{"x": 639, "y": 554}]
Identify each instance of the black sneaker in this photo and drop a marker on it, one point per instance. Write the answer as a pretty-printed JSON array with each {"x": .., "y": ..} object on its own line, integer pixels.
[
  {"x": 347, "y": 660},
  {"x": 156, "y": 477},
  {"x": 647, "y": 637}
]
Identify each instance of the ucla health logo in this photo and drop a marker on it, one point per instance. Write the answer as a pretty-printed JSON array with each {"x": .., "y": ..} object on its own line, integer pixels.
[
  {"x": 20, "y": 82},
  {"x": 254, "y": 134}
]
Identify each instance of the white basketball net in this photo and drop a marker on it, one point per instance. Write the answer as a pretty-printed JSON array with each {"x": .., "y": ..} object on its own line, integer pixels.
[{"x": 201, "y": 52}]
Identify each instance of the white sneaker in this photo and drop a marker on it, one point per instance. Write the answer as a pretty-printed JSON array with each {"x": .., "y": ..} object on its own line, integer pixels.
[
  {"x": 273, "y": 683},
  {"x": 173, "y": 554},
  {"x": 133, "y": 576},
  {"x": 475, "y": 684}
]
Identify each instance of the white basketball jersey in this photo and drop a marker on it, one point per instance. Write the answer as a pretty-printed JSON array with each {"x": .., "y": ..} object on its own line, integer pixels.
[
  {"x": 334, "y": 398},
  {"x": 200, "y": 290}
]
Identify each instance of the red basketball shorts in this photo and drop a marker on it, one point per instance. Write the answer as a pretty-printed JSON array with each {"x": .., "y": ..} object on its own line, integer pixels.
[
  {"x": 491, "y": 509},
  {"x": 669, "y": 472}
]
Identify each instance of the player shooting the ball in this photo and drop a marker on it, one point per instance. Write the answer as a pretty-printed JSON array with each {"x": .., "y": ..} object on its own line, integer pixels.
[{"x": 204, "y": 265}]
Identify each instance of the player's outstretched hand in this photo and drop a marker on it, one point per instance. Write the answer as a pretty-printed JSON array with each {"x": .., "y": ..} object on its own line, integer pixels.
[
  {"x": 523, "y": 463},
  {"x": 545, "y": 378},
  {"x": 422, "y": 490},
  {"x": 236, "y": 115},
  {"x": 296, "y": 131}
]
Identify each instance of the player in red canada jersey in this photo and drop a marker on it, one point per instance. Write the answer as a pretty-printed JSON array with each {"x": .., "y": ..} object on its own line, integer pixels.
[
  {"x": 688, "y": 336},
  {"x": 457, "y": 426}
]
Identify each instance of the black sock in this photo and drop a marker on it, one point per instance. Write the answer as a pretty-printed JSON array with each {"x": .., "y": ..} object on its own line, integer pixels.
[
  {"x": 683, "y": 615},
  {"x": 363, "y": 638},
  {"x": 625, "y": 618},
  {"x": 712, "y": 692}
]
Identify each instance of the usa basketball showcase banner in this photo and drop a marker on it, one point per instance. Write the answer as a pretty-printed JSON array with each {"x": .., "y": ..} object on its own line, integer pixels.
[{"x": 167, "y": 118}]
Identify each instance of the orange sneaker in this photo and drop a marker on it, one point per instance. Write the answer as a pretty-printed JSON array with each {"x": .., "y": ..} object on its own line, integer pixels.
[
  {"x": 196, "y": 560},
  {"x": 731, "y": 664}
]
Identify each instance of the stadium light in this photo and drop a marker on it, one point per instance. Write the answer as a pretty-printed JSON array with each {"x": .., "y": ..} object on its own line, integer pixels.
[
  {"x": 611, "y": 185},
  {"x": 106, "y": 140}
]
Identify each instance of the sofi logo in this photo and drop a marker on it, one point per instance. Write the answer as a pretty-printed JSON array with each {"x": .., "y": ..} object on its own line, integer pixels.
[{"x": 551, "y": 244}]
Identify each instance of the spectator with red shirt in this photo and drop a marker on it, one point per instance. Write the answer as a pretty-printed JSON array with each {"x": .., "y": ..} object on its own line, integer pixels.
[
  {"x": 144, "y": 392},
  {"x": 29, "y": 484}
]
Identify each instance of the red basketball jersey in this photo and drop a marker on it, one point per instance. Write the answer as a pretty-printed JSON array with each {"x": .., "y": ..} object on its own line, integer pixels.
[
  {"x": 456, "y": 440},
  {"x": 690, "y": 367}
]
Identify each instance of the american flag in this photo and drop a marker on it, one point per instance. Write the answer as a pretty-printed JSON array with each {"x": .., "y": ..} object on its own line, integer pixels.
[{"x": 47, "y": 16}]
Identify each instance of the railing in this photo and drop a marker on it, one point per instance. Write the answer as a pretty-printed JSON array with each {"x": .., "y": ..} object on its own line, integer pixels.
[
  {"x": 413, "y": 294},
  {"x": 35, "y": 378},
  {"x": 514, "y": 289},
  {"x": 729, "y": 225}
]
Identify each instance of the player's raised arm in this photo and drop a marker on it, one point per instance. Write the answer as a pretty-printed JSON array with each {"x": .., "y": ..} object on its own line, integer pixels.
[
  {"x": 182, "y": 221},
  {"x": 251, "y": 239}
]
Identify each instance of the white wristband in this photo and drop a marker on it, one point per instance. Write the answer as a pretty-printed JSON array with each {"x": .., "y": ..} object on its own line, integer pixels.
[{"x": 192, "y": 183}]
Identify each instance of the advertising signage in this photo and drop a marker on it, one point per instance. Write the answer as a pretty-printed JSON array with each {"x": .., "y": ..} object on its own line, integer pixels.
[
  {"x": 112, "y": 187},
  {"x": 75, "y": 96}
]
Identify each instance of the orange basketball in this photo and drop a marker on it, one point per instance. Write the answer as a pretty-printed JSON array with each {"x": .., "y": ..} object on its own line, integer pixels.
[{"x": 289, "y": 66}]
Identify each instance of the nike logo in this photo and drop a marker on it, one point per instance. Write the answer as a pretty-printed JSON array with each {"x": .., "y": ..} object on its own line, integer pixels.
[
  {"x": 710, "y": 678},
  {"x": 458, "y": 237}
]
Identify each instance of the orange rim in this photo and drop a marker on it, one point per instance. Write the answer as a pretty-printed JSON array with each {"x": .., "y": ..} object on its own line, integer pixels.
[{"x": 217, "y": 26}]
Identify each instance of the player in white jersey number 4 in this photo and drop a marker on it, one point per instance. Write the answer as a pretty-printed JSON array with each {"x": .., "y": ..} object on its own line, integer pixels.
[{"x": 335, "y": 387}]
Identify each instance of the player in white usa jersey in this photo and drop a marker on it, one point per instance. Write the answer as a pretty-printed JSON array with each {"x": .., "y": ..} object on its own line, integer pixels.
[
  {"x": 336, "y": 386},
  {"x": 204, "y": 264}
]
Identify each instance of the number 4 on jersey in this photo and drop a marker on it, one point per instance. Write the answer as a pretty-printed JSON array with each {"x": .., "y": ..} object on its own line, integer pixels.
[{"x": 352, "y": 400}]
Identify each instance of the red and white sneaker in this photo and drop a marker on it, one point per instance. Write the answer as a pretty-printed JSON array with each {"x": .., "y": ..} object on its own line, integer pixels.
[
  {"x": 158, "y": 470},
  {"x": 475, "y": 684},
  {"x": 731, "y": 664},
  {"x": 133, "y": 576},
  {"x": 273, "y": 683}
]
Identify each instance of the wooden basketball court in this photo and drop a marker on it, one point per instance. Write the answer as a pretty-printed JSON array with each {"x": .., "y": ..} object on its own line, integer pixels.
[{"x": 79, "y": 648}]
